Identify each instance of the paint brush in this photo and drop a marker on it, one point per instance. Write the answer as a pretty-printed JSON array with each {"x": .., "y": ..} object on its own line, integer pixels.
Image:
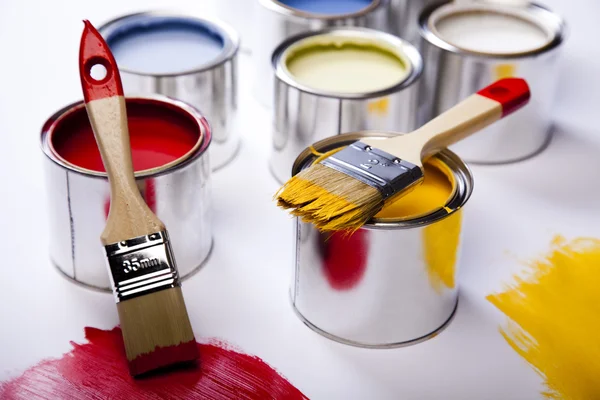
[
  {"x": 346, "y": 189},
  {"x": 152, "y": 313}
]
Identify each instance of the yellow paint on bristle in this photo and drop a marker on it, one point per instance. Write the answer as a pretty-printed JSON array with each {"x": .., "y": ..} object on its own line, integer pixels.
[
  {"x": 555, "y": 318},
  {"x": 315, "y": 201}
]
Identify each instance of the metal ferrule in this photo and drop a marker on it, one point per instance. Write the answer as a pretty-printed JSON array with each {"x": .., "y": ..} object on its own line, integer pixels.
[
  {"x": 383, "y": 171},
  {"x": 142, "y": 265}
]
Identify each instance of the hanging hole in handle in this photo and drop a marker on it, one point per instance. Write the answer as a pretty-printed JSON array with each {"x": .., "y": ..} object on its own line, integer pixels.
[{"x": 98, "y": 70}]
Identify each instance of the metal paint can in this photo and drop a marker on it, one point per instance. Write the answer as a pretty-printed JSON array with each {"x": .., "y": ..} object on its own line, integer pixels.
[
  {"x": 277, "y": 22},
  {"x": 404, "y": 18},
  {"x": 393, "y": 282},
  {"x": 460, "y": 59},
  {"x": 305, "y": 114},
  {"x": 176, "y": 189},
  {"x": 193, "y": 59}
]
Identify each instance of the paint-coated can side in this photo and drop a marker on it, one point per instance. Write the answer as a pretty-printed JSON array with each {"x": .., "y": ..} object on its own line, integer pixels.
[
  {"x": 450, "y": 76},
  {"x": 79, "y": 202},
  {"x": 275, "y": 24},
  {"x": 389, "y": 284}
]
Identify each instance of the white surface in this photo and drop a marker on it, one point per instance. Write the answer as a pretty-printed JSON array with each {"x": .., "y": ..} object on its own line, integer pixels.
[{"x": 241, "y": 296}]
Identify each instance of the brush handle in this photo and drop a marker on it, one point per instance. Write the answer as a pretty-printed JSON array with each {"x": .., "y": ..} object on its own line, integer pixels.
[
  {"x": 129, "y": 215},
  {"x": 471, "y": 115},
  {"x": 476, "y": 112}
]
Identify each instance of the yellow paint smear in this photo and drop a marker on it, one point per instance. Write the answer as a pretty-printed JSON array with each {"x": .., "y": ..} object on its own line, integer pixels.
[
  {"x": 379, "y": 107},
  {"x": 441, "y": 240},
  {"x": 555, "y": 318},
  {"x": 505, "y": 71},
  {"x": 441, "y": 244}
]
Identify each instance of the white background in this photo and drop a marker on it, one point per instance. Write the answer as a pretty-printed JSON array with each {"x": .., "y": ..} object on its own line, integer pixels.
[{"x": 241, "y": 296}]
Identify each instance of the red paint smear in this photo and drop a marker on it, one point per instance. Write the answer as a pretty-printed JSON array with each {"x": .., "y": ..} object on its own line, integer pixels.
[
  {"x": 512, "y": 93},
  {"x": 344, "y": 258},
  {"x": 158, "y": 135},
  {"x": 98, "y": 370},
  {"x": 164, "y": 356},
  {"x": 94, "y": 50}
]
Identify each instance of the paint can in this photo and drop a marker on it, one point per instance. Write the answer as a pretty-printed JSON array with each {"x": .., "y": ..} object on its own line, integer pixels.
[
  {"x": 393, "y": 282},
  {"x": 404, "y": 18},
  {"x": 169, "y": 141},
  {"x": 188, "y": 58},
  {"x": 278, "y": 20},
  {"x": 468, "y": 46},
  {"x": 340, "y": 80}
]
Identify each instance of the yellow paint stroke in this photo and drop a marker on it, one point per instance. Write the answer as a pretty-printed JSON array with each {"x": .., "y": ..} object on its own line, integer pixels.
[
  {"x": 505, "y": 71},
  {"x": 379, "y": 107},
  {"x": 555, "y": 318},
  {"x": 441, "y": 250}
]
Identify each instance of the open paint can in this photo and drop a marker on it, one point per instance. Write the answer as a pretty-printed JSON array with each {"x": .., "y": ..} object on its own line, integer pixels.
[
  {"x": 184, "y": 57},
  {"x": 394, "y": 281},
  {"x": 340, "y": 80},
  {"x": 169, "y": 143},
  {"x": 278, "y": 20},
  {"x": 469, "y": 46}
]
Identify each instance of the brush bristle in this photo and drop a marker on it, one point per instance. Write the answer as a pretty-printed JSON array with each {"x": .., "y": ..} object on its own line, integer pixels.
[
  {"x": 156, "y": 331},
  {"x": 329, "y": 199}
]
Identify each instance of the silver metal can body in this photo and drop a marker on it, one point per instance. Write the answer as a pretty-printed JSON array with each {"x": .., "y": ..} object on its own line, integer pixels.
[
  {"x": 389, "y": 284},
  {"x": 404, "y": 18},
  {"x": 452, "y": 74},
  {"x": 212, "y": 88},
  {"x": 277, "y": 22},
  {"x": 302, "y": 116},
  {"x": 78, "y": 206}
]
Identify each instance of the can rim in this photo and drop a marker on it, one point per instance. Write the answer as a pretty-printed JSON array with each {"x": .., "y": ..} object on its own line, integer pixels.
[
  {"x": 409, "y": 52},
  {"x": 231, "y": 39},
  {"x": 199, "y": 148},
  {"x": 532, "y": 12},
  {"x": 277, "y": 6},
  {"x": 462, "y": 175}
]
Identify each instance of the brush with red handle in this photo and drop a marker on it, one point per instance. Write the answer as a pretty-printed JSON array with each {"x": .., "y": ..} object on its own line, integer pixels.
[
  {"x": 152, "y": 313},
  {"x": 345, "y": 190}
]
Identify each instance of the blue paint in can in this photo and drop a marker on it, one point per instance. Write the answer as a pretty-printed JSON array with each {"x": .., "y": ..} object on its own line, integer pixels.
[
  {"x": 164, "y": 45},
  {"x": 328, "y": 7}
]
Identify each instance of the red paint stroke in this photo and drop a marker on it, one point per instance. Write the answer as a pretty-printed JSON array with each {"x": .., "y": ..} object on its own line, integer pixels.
[
  {"x": 344, "y": 258},
  {"x": 98, "y": 370},
  {"x": 93, "y": 50},
  {"x": 158, "y": 135},
  {"x": 512, "y": 93}
]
